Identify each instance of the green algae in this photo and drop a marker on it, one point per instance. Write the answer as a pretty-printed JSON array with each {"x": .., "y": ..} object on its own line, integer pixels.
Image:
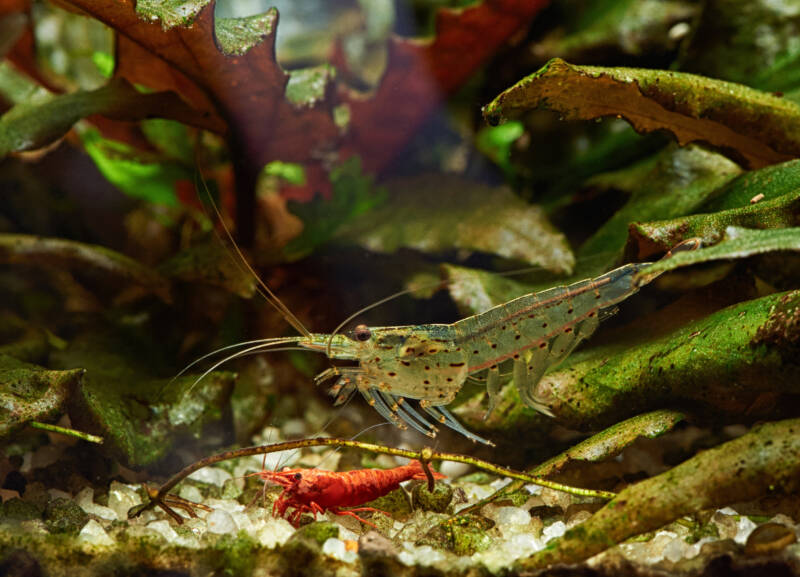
[
  {"x": 437, "y": 501},
  {"x": 64, "y": 516},
  {"x": 760, "y": 462},
  {"x": 754, "y": 127}
]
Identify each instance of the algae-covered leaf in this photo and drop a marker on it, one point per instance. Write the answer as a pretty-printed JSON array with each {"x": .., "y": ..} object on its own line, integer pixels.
[
  {"x": 648, "y": 238},
  {"x": 753, "y": 127},
  {"x": 710, "y": 365},
  {"x": 674, "y": 182},
  {"x": 140, "y": 415},
  {"x": 437, "y": 213},
  {"x": 31, "y": 126},
  {"x": 613, "y": 440},
  {"x": 737, "y": 243},
  {"x": 760, "y": 462},
  {"x": 771, "y": 181},
  {"x": 33, "y": 250},
  {"x": 211, "y": 263},
  {"x": 29, "y": 392}
]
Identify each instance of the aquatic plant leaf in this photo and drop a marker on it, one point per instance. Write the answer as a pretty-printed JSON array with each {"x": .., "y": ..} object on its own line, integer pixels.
[
  {"x": 476, "y": 291},
  {"x": 34, "y": 250},
  {"x": 752, "y": 127},
  {"x": 754, "y": 43},
  {"x": 712, "y": 364},
  {"x": 31, "y": 126},
  {"x": 139, "y": 175},
  {"x": 606, "y": 444},
  {"x": 438, "y": 213},
  {"x": 421, "y": 73},
  {"x": 32, "y": 393},
  {"x": 609, "y": 30},
  {"x": 231, "y": 62},
  {"x": 613, "y": 440},
  {"x": 649, "y": 238},
  {"x": 761, "y": 462},
  {"x": 738, "y": 242},
  {"x": 674, "y": 182},
  {"x": 771, "y": 181},
  {"x": 210, "y": 263},
  {"x": 354, "y": 194},
  {"x": 140, "y": 416}
]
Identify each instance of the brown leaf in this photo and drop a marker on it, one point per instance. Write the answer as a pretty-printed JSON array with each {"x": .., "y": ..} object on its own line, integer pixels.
[{"x": 752, "y": 127}]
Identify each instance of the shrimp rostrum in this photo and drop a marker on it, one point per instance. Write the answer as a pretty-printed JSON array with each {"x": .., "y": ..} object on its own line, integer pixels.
[{"x": 431, "y": 363}]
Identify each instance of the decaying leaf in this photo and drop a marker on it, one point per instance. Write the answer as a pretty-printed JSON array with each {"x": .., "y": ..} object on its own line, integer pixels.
[
  {"x": 759, "y": 463},
  {"x": 438, "y": 213},
  {"x": 32, "y": 250},
  {"x": 752, "y": 127},
  {"x": 29, "y": 392},
  {"x": 211, "y": 263}
]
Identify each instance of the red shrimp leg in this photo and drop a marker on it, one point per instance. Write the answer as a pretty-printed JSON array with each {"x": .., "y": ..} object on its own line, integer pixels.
[{"x": 352, "y": 513}]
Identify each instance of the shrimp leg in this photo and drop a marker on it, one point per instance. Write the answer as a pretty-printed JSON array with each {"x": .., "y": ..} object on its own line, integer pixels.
[
  {"x": 408, "y": 414},
  {"x": 443, "y": 416},
  {"x": 492, "y": 389}
]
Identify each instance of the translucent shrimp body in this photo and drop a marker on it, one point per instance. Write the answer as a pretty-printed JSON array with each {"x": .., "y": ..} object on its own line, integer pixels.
[{"x": 430, "y": 363}]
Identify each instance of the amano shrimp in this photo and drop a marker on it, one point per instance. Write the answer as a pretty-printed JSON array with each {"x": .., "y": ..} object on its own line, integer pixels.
[{"x": 431, "y": 363}]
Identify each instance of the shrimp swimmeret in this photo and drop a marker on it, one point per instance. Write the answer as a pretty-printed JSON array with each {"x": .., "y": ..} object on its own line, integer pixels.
[{"x": 430, "y": 363}]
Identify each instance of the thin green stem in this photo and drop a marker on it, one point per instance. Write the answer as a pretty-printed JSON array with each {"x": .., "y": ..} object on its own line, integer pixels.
[
  {"x": 158, "y": 496},
  {"x": 65, "y": 431}
]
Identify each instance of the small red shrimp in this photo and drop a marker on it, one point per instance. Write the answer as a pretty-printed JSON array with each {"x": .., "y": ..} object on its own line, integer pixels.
[{"x": 316, "y": 491}]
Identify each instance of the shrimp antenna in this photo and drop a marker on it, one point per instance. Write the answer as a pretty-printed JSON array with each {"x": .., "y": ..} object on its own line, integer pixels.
[{"x": 264, "y": 290}]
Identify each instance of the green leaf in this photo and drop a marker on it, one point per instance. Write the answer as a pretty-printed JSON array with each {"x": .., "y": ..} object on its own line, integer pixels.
[
  {"x": 753, "y": 127},
  {"x": 618, "y": 27},
  {"x": 137, "y": 175},
  {"x": 771, "y": 181},
  {"x": 288, "y": 171},
  {"x": 649, "y": 238},
  {"x": 738, "y": 243},
  {"x": 437, "y": 213},
  {"x": 752, "y": 42},
  {"x": 675, "y": 182},
  {"x": 496, "y": 142},
  {"x": 31, "y": 126},
  {"x": 354, "y": 194}
]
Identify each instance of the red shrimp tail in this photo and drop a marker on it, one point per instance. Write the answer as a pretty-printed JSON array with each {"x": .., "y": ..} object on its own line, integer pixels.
[{"x": 420, "y": 474}]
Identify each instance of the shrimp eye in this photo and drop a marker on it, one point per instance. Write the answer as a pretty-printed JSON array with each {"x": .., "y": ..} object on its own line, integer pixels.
[
  {"x": 362, "y": 333},
  {"x": 298, "y": 476}
]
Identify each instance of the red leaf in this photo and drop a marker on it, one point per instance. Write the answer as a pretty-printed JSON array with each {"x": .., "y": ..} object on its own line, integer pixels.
[{"x": 420, "y": 74}]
